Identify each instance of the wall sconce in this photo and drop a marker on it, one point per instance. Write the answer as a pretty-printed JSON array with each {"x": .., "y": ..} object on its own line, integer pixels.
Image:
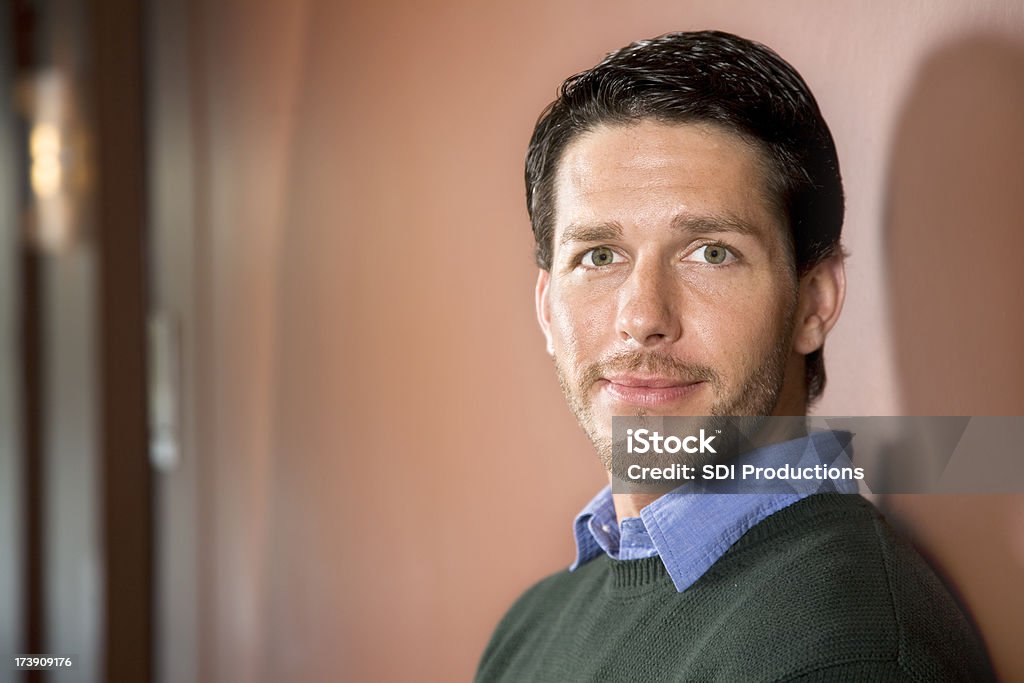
[{"x": 59, "y": 163}]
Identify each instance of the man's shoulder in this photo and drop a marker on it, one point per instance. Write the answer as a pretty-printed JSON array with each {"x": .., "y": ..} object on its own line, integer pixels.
[
  {"x": 836, "y": 558},
  {"x": 548, "y": 595},
  {"x": 540, "y": 591},
  {"x": 831, "y": 570},
  {"x": 517, "y": 632}
]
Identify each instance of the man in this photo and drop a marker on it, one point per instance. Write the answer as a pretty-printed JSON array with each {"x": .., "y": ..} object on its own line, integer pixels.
[{"x": 687, "y": 207}]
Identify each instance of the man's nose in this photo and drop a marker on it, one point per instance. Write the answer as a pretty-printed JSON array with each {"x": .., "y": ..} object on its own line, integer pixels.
[{"x": 649, "y": 307}]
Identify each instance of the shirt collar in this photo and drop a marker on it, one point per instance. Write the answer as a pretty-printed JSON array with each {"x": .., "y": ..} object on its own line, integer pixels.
[
  {"x": 691, "y": 531},
  {"x": 593, "y": 528}
]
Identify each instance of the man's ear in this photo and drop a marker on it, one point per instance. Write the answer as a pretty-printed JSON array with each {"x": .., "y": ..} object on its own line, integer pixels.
[
  {"x": 543, "y": 308},
  {"x": 822, "y": 292}
]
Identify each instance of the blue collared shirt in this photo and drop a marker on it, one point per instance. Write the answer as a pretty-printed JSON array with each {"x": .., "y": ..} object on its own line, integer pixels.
[{"x": 690, "y": 531}]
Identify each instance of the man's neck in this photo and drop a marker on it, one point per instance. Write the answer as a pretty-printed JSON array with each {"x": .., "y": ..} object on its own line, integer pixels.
[{"x": 630, "y": 504}]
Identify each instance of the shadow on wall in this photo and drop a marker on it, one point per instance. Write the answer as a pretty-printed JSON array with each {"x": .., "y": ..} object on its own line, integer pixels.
[
  {"x": 955, "y": 233},
  {"x": 954, "y": 241}
]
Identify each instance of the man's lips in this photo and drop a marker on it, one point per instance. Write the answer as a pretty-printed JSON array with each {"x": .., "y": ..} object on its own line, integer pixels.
[{"x": 647, "y": 391}]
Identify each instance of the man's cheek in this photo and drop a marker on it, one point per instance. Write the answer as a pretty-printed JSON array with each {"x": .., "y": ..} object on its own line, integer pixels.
[{"x": 575, "y": 332}]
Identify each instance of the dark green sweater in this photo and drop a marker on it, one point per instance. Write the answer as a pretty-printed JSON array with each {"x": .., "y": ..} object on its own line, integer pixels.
[{"x": 822, "y": 590}]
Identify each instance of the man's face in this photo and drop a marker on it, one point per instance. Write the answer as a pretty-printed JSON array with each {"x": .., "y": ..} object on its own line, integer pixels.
[{"x": 671, "y": 289}]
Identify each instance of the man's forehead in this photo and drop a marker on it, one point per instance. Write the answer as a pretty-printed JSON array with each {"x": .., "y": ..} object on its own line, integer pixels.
[{"x": 665, "y": 172}]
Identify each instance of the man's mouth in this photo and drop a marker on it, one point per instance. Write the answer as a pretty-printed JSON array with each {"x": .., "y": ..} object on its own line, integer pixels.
[{"x": 647, "y": 390}]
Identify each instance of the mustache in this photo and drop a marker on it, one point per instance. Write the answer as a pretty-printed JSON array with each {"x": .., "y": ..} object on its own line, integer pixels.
[{"x": 652, "y": 363}]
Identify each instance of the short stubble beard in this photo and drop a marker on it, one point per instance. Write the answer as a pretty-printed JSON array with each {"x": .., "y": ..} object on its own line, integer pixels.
[{"x": 758, "y": 396}]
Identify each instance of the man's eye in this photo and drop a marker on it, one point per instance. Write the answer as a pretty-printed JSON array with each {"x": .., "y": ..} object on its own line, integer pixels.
[
  {"x": 715, "y": 254},
  {"x": 598, "y": 256}
]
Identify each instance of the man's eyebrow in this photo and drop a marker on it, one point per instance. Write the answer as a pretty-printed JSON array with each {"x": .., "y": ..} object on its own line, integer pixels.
[
  {"x": 597, "y": 232},
  {"x": 711, "y": 224},
  {"x": 600, "y": 232}
]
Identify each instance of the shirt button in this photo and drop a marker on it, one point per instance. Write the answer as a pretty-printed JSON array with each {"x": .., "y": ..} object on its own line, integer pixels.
[{"x": 605, "y": 528}]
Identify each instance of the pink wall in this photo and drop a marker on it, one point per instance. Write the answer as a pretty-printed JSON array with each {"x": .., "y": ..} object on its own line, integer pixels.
[
  {"x": 370, "y": 397},
  {"x": 953, "y": 232}
]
